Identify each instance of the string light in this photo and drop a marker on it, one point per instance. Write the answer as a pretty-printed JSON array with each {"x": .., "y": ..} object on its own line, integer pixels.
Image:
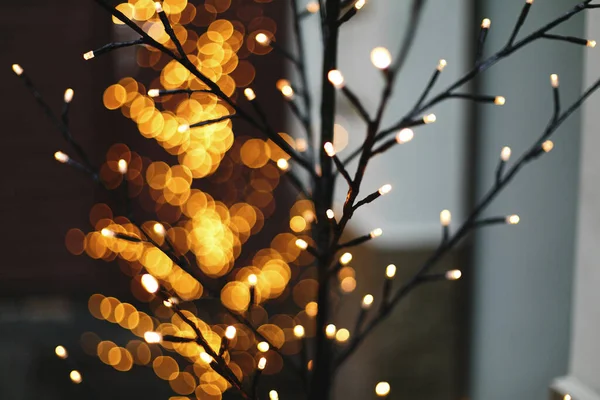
[
  {"x": 453, "y": 275},
  {"x": 385, "y": 189},
  {"x": 273, "y": 395},
  {"x": 376, "y": 233},
  {"x": 342, "y": 335},
  {"x": 68, "y": 96},
  {"x": 445, "y": 217},
  {"x": 150, "y": 283},
  {"x": 330, "y": 214},
  {"x": 159, "y": 229},
  {"x": 283, "y": 164},
  {"x": 313, "y": 7},
  {"x": 429, "y": 118},
  {"x": 122, "y": 164},
  {"x": 262, "y": 363},
  {"x": 336, "y": 78},
  {"x": 249, "y": 93},
  {"x": 262, "y": 39},
  {"x": 152, "y": 337},
  {"x": 330, "y": 331},
  {"x": 301, "y": 244},
  {"x": 499, "y": 100},
  {"x": 107, "y": 233},
  {"x": 206, "y": 358},
  {"x": 381, "y": 57},
  {"x": 170, "y": 302},
  {"x": 75, "y": 376},
  {"x": 382, "y": 389},
  {"x": 441, "y": 65},
  {"x": 367, "y": 301},
  {"x": 554, "y": 80},
  {"x": 158, "y": 7},
  {"x": 390, "y": 271},
  {"x": 285, "y": 88},
  {"x": 547, "y": 146},
  {"x": 61, "y": 352},
  {"x": 513, "y": 219},
  {"x": 17, "y": 69},
  {"x": 61, "y": 157},
  {"x": 405, "y": 135},
  {"x": 345, "y": 258},
  {"x": 230, "y": 332},
  {"x": 505, "y": 153},
  {"x": 263, "y": 347},
  {"x": 485, "y": 24},
  {"x": 567, "y": 397},
  {"x": 183, "y": 128},
  {"x": 89, "y": 55},
  {"x": 252, "y": 280},
  {"x": 153, "y": 92},
  {"x": 529, "y": 1},
  {"x": 299, "y": 331},
  {"x": 591, "y": 43},
  {"x": 360, "y": 4},
  {"x": 329, "y": 149}
]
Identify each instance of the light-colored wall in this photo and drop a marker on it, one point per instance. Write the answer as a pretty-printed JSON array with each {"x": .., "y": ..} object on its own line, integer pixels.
[{"x": 523, "y": 273}]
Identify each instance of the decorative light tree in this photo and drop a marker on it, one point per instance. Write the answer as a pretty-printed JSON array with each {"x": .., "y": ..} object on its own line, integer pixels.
[{"x": 197, "y": 127}]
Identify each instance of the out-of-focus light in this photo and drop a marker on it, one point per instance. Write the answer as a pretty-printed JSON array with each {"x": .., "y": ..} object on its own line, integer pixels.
[
  {"x": 150, "y": 283},
  {"x": 405, "y": 135},
  {"x": 75, "y": 376},
  {"x": 390, "y": 271},
  {"x": 453, "y": 275},
  {"x": 382, "y": 389},
  {"x": 61, "y": 157},
  {"x": 381, "y": 57},
  {"x": 299, "y": 331},
  {"x": 336, "y": 78},
  {"x": 61, "y": 352},
  {"x": 230, "y": 332},
  {"x": 367, "y": 301},
  {"x": 68, "y": 96},
  {"x": 17, "y": 69}
]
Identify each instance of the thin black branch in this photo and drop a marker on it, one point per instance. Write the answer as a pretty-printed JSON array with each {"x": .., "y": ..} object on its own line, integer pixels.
[
  {"x": 213, "y": 121},
  {"x": 520, "y": 21},
  {"x": 355, "y": 101},
  {"x": 112, "y": 46}
]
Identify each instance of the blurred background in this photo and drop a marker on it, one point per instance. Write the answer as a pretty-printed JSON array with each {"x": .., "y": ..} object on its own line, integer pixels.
[{"x": 522, "y": 323}]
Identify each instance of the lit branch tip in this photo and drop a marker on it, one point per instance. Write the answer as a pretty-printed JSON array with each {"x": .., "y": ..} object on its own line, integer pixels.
[
  {"x": 505, "y": 153},
  {"x": 381, "y": 58},
  {"x": 68, "y": 96},
  {"x": 17, "y": 69}
]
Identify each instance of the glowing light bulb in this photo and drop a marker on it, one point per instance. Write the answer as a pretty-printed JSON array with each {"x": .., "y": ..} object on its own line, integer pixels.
[
  {"x": 61, "y": 352},
  {"x": 336, "y": 78},
  {"x": 591, "y": 43},
  {"x": 330, "y": 214},
  {"x": 302, "y": 244},
  {"x": 150, "y": 283},
  {"x": 330, "y": 331},
  {"x": 345, "y": 258},
  {"x": 529, "y": 1},
  {"x": 282, "y": 164},
  {"x": 285, "y": 88},
  {"x": 75, "y": 376},
  {"x": 159, "y": 229},
  {"x": 107, "y": 233},
  {"x": 158, "y": 7},
  {"x": 429, "y": 118},
  {"x": 367, "y": 301},
  {"x": 505, "y": 153},
  {"x": 499, "y": 100},
  {"x": 342, "y": 335},
  {"x": 382, "y": 389},
  {"x": 206, "y": 358},
  {"x": 122, "y": 164},
  {"x": 152, "y": 337},
  {"x": 183, "y": 128},
  {"x": 567, "y": 397},
  {"x": 360, "y": 4},
  {"x": 249, "y": 93},
  {"x": 376, "y": 233},
  {"x": 313, "y": 7},
  {"x": 513, "y": 219},
  {"x": 547, "y": 146},
  {"x": 273, "y": 395},
  {"x": 329, "y": 149},
  {"x": 385, "y": 189},
  {"x": 169, "y": 302},
  {"x": 554, "y": 80},
  {"x": 252, "y": 280},
  {"x": 17, "y": 69},
  {"x": 381, "y": 57},
  {"x": 445, "y": 217},
  {"x": 299, "y": 331},
  {"x": 309, "y": 365},
  {"x": 405, "y": 135},
  {"x": 485, "y": 24},
  {"x": 441, "y": 65},
  {"x": 262, "y": 39},
  {"x": 68, "y": 97},
  {"x": 153, "y": 92},
  {"x": 453, "y": 275},
  {"x": 263, "y": 347},
  {"x": 230, "y": 332},
  {"x": 301, "y": 144},
  {"x": 61, "y": 157},
  {"x": 262, "y": 363},
  {"x": 89, "y": 55},
  {"x": 390, "y": 271}
]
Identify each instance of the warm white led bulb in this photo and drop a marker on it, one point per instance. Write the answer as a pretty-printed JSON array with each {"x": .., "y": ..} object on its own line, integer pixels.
[
  {"x": 385, "y": 189},
  {"x": 329, "y": 149},
  {"x": 376, "y": 233},
  {"x": 249, "y": 93},
  {"x": 485, "y": 24},
  {"x": 505, "y": 153},
  {"x": 75, "y": 376},
  {"x": 381, "y": 57},
  {"x": 513, "y": 219},
  {"x": 153, "y": 92},
  {"x": 429, "y": 118},
  {"x": 299, "y": 331},
  {"x": 262, "y": 363},
  {"x": 230, "y": 332},
  {"x": 273, "y": 395},
  {"x": 360, "y": 4},
  {"x": 330, "y": 214},
  {"x": 453, "y": 275},
  {"x": 283, "y": 164},
  {"x": 382, "y": 389},
  {"x": 152, "y": 337},
  {"x": 61, "y": 157},
  {"x": 301, "y": 144},
  {"x": 345, "y": 258},
  {"x": 367, "y": 301},
  {"x": 529, "y": 1},
  {"x": 17, "y": 69},
  {"x": 158, "y": 7},
  {"x": 159, "y": 229},
  {"x": 263, "y": 347},
  {"x": 68, "y": 97},
  {"x": 567, "y": 397},
  {"x": 107, "y": 233},
  {"x": 61, "y": 352},
  {"x": 405, "y": 135},
  {"x": 262, "y": 39},
  {"x": 183, "y": 128},
  {"x": 287, "y": 91},
  {"x": 122, "y": 165},
  {"x": 441, "y": 65},
  {"x": 206, "y": 358},
  {"x": 445, "y": 217},
  {"x": 150, "y": 283},
  {"x": 591, "y": 43},
  {"x": 302, "y": 244},
  {"x": 313, "y": 7},
  {"x": 330, "y": 331},
  {"x": 499, "y": 100},
  {"x": 547, "y": 146},
  {"x": 336, "y": 78},
  {"x": 554, "y": 80},
  {"x": 390, "y": 271},
  {"x": 89, "y": 55},
  {"x": 252, "y": 280}
]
